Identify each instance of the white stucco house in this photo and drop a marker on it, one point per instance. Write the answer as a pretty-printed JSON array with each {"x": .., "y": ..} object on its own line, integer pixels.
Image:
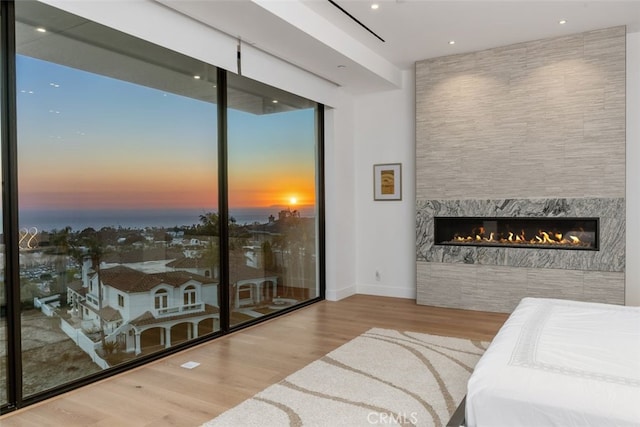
[{"x": 144, "y": 311}]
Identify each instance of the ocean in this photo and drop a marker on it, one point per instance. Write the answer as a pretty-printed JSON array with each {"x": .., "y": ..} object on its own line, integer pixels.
[{"x": 47, "y": 220}]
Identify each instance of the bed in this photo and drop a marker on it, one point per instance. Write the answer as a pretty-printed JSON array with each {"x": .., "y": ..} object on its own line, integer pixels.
[{"x": 560, "y": 363}]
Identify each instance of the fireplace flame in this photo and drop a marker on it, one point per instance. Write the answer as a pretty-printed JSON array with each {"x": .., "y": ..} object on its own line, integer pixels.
[{"x": 542, "y": 238}]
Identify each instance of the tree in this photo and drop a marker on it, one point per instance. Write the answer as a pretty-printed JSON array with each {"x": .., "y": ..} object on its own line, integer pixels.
[
  {"x": 211, "y": 256},
  {"x": 294, "y": 246},
  {"x": 268, "y": 259},
  {"x": 210, "y": 224},
  {"x": 28, "y": 291},
  {"x": 61, "y": 246},
  {"x": 90, "y": 245}
]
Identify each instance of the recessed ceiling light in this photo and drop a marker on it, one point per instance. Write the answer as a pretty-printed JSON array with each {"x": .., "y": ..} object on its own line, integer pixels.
[
  {"x": 562, "y": 21},
  {"x": 275, "y": 101},
  {"x": 375, "y": 6},
  {"x": 41, "y": 30},
  {"x": 452, "y": 42},
  {"x": 196, "y": 77}
]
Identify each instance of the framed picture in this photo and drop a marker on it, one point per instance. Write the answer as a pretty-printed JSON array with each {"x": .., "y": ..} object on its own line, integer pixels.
[{"x": 387, "y": 181}]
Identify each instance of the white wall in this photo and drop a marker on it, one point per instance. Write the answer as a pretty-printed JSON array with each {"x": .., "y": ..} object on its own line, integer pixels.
[
  {"x": 340, "y": 234},
  {"x": 385, "y": 230},
  {"x": 632, "y": 276}
]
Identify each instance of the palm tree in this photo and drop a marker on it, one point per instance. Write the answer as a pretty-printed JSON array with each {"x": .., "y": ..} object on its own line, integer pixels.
[{"x": 210, "y": 223}]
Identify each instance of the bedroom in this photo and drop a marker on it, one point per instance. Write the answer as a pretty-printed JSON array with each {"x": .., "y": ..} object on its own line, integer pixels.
[{"x": 379, "y": 127}]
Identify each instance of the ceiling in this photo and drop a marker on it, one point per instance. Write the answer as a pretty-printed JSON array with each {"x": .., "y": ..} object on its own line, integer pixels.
[
  {"x": 319, "y": 37},
  {"x": 82, "y": 44}
]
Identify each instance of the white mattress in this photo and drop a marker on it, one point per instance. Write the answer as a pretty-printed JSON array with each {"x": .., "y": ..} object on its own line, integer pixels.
[{"x": 560, "y": 363}]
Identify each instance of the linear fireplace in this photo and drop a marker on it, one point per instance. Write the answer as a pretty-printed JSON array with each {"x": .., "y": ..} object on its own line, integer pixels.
[{"x": 539, "y": 232}]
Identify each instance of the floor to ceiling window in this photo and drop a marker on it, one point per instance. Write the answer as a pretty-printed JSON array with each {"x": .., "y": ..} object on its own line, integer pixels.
[
  {"x": 122, "y": 169},
  {"x": 117, "y": 172},
  {"x": 272, "y": 146}
]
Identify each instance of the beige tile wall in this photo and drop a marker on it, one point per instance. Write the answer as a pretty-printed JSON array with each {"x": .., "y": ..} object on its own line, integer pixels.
[
  {"x": 499, "y": 289},
  {"x": 542, "y": 119}
]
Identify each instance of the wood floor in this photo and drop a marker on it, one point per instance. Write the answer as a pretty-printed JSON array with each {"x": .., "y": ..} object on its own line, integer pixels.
[{"x": 235, "y": 367}]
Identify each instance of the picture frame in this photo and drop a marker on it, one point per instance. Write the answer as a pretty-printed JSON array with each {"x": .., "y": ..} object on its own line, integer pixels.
[{"x": 387, "y": 181}]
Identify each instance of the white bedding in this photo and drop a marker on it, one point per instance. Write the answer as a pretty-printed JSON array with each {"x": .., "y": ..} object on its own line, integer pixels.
[{"x": 560, "y": 363}]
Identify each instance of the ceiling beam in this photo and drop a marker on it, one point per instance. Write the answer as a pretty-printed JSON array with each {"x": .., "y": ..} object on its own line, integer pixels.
[{"x": 297, "y": 14}]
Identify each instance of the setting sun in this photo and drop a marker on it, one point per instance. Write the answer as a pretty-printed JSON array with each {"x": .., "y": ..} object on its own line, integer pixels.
[{"x": 293, "y": 200}]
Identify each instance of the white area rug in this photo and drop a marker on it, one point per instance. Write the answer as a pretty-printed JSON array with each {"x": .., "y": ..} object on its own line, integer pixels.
[{"x": 383, "y": 377}]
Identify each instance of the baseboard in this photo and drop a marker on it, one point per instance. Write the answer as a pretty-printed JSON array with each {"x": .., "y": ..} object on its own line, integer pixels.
[
  {"x": 387, "y": 291},
  {"x": 338, "y": 294}
]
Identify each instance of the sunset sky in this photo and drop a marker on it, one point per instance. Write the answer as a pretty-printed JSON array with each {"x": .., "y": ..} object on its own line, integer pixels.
[{"x": 87, "y": 141}]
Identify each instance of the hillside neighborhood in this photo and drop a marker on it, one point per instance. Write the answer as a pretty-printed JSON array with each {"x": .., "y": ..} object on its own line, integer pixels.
[{"x": 120, "y": 293}]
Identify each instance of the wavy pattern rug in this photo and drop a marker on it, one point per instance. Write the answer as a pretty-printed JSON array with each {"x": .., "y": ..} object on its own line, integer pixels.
[{"x": 383, "y": 377}]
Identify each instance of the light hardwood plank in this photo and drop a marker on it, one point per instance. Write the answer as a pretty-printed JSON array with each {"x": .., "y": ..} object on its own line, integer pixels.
[{"x": 237, "y": 366}]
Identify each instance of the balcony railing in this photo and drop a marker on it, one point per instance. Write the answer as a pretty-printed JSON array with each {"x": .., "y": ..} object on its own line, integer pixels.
[
  {"x": 93, "y": 300},
  {"x": 180, "y": 309}
]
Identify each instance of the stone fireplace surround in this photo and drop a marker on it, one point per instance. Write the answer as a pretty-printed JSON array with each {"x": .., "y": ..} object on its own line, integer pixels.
[
  {"x": 531, "y": 130},
  {"x": 495, "y": 279},
  {"x": 610, "y": 257}
]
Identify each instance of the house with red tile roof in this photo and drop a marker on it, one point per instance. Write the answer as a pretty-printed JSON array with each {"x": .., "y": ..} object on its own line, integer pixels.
[{"x": 144, "y": 311}]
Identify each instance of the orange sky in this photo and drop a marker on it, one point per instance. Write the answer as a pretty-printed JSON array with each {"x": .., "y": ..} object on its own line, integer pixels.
[{"x": 49, "y": 189}]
